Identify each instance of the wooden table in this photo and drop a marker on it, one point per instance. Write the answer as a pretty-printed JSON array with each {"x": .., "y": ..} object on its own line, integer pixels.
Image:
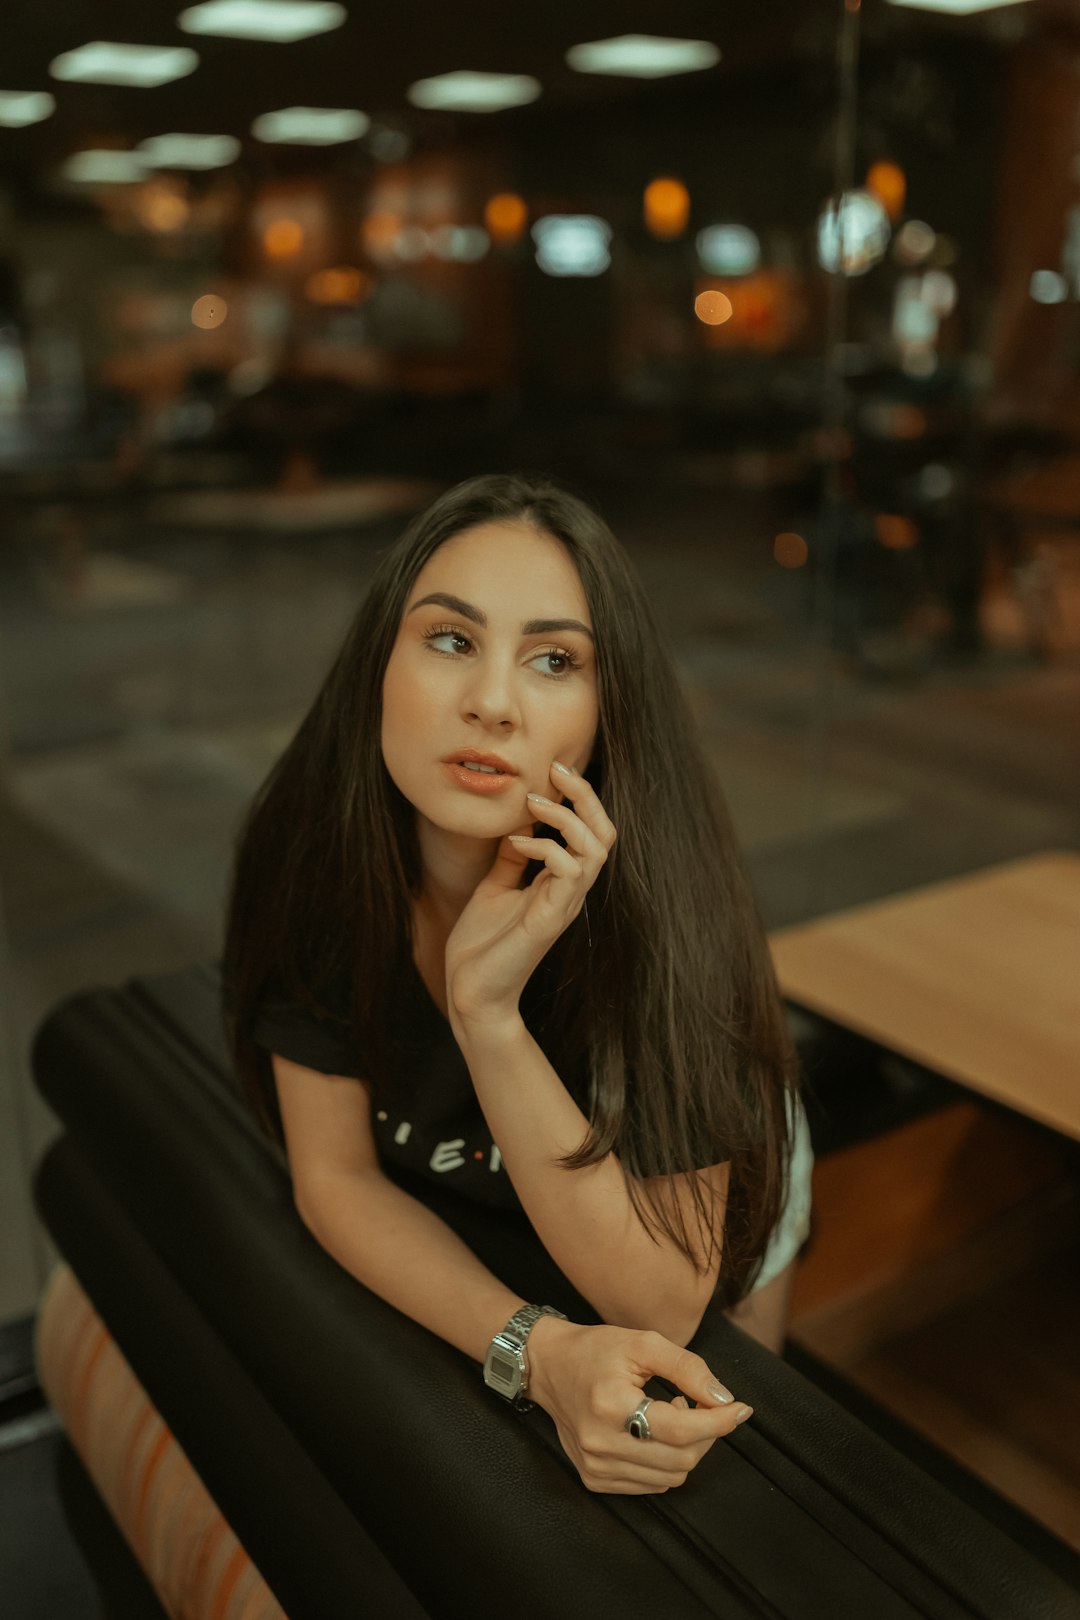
[{"x": 977, "y": 978}]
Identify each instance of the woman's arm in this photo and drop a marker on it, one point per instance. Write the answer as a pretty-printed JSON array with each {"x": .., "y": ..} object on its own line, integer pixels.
[
  {"x": 391, "y": 1242},
  {"x": 404, "y": 1253},
  {"x": 586, "y": 1377},
  {"x": 584, "y": 1218}
]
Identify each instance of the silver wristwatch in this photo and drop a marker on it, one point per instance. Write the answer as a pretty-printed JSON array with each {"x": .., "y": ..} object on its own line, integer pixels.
[{"x": 506, "y": 1369}]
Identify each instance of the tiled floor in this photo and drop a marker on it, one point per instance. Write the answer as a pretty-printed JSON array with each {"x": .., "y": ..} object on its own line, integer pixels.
[{"x": 145, "y": 692}]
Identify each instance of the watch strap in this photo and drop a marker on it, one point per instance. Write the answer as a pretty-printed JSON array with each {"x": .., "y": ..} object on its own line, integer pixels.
[{"x": 512, "y": 1339}]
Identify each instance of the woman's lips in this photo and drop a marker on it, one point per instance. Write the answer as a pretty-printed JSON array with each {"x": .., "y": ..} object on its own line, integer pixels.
[{"x": 480, "y": 781}]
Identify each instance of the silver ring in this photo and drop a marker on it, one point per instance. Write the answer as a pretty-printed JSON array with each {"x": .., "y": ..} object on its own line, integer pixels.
[{"x": 637, "y": 1423}]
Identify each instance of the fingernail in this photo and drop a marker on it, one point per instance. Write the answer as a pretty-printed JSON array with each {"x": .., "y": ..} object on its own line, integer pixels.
[
  {"x": 564, "y": 768},
  {"x": 743, "y": 1413},
  {"x": 538, "y": 798},
  {"x": 717, "y": 1392}
]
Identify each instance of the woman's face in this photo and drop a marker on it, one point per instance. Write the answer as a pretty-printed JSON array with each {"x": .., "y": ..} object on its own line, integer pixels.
[{"x": 494, "y": 656}]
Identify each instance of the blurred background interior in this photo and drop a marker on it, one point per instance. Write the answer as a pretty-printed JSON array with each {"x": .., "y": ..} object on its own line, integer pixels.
[{"x": 792, "y": 292}]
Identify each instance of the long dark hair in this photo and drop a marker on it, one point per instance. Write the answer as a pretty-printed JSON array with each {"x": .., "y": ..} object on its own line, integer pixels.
[{"x": 667, "y": 985}]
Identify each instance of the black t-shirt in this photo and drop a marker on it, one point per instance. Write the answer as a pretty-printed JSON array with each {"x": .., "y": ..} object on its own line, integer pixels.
[{"x": 432, "y": 1125}]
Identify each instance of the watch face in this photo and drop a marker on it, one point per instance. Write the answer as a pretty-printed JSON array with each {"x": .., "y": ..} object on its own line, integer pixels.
[{"x": 504, "y": 1371}]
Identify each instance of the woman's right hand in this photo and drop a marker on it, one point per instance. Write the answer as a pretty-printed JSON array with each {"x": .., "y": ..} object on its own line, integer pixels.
[{"x": 590, "y": 1378}]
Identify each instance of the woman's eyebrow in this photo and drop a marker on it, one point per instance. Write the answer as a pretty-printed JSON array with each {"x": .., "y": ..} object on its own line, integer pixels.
[{"x": 531, "y": 627}]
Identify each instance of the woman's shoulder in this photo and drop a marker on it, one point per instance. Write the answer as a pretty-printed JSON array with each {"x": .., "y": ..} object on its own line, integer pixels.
[{"x": 311, "y": 1026}]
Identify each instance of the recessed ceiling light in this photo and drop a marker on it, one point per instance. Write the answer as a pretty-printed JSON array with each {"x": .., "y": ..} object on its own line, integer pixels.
[
  {"x": 572, "y": 244},
  {"x": 643, "y": 56},
  {"x": 728, "y": 250},
  {"x": 104, "y": 167},
  {"x": 19, "y": 107},
  {"x": 281, "y": 20},
  {"x": 958, "y": 8},
  {"x": 103, "y": 62},
  {"x": 310, "y": 126},
  {"x": 1048, "y": 287},
  {"x": 464, "y": 91},
  {"x": 188, "y": 151}
]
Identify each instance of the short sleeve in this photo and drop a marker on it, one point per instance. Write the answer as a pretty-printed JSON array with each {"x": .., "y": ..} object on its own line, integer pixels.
[{"x": 302, "y": 1037}]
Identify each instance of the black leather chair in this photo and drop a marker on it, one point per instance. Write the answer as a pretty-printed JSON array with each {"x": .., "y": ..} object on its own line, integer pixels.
[{"x": 361, "y": 1460}]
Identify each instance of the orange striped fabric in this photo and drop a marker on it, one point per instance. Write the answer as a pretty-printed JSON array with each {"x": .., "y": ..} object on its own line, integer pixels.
[{"x": 190, "y": 1555}]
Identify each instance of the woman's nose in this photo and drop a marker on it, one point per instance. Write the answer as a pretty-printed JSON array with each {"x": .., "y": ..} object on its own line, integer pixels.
[{"x": 490, "y": 694}]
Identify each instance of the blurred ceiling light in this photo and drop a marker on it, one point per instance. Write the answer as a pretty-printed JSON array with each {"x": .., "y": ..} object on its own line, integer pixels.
[
  {"x": 958, "y": 8},
  {"x": 105, "y": 167},
  {"x": 667, "y": 208},
  {"x": 281, "y": 20},
  {"x": 282, "y": 238},
  {"x": 208, "y": 311},
  {"x": 572, "y": 244},
  {"x": 21, "y": 107},
  {"x": 1047, "y": 287},
  {"x": 936, "y": 481},
  {"x": 188, "y": 151},
  {"x": 643, "y": 56},
  {"x": 915, "y": 321},
  {"x": 888, "y": 183},
  {"x": 713, "y": 308},
  {"x": 728, "y": 250},
  {"x": 939, "y": 292},
  {"x": 852, "y": 235},
  {"x": 463, "y": 244},
  {"x": 104, "y": 62},
  {"x": 506, "y": 215},
  {"x": 914, "y": 240},
  {"x": 310, "y": 126},
  {"x": 465, "y": 91},
  {"x": 342, "y": 284}
]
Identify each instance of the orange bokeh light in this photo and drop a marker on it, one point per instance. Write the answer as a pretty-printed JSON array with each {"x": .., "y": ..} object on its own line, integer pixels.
[
  {"x": 888, "y": 183},
  {"x": 341, "y": 284},
  {"x": 161, "y": 206},
  {"x": 790, "y": 550},
  {"x": 895, "y": 532},
  {"x": 283, "y": 237},
  {"x": 379, "y": 233},
  {"x": 712, "y": 307},
  {"x": 667, "y": 208},
  {"x": 505, "y": 216},
  {"x": 208, "y": 311}
]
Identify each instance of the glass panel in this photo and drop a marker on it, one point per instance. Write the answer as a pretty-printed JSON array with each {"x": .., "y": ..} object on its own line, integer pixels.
[{"x": 223, "y": 388}]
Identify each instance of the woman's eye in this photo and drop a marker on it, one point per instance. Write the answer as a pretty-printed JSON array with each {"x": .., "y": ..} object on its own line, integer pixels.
[
  {"x": 560, "y": 663},
  {"x": 563, "y": 661},
  {"x": 435, "y": 636}
]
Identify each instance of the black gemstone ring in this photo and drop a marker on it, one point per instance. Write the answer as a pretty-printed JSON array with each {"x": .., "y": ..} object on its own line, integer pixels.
[{"x": 637, "y": 1423}]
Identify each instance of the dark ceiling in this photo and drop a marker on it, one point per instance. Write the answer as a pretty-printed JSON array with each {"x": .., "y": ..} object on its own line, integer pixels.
[
  {"x": 387, "y": 44},
  {"x": 370, "y": 61}
]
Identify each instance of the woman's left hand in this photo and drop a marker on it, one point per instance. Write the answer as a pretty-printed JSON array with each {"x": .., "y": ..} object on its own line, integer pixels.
[{"x": 505, "y": 931}]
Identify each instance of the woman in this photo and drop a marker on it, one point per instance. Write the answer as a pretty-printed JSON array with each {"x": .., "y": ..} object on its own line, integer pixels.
[{"x": 489, "y": 925}]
